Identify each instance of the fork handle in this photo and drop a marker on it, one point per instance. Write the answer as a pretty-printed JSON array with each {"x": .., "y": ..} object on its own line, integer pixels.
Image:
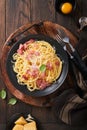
[{"x": 80, "y": 64}]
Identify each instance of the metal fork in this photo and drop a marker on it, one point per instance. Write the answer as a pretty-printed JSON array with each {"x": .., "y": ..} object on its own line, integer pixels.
[
  {"x": 63, "y": 42},
  {"x": 63, "y": 39}
]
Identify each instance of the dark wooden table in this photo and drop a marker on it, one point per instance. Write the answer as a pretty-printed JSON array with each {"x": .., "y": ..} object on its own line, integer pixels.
[{"x": 15, "y": 13}]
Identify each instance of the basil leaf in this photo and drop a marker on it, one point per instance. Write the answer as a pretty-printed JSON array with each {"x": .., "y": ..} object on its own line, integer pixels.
[
  {"x": 42, "y": 68},
  {"x": 12, "y": 101},
  {"x": 3, "y": 94}
]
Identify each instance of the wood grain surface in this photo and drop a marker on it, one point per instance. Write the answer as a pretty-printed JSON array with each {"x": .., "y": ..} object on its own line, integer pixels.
[{"x": 16, "y": 13}]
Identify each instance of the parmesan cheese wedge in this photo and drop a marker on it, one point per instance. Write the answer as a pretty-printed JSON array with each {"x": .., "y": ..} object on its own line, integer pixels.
[
  {"x": 18, "y": 127},
  {"x": 21, "y": 121},
  {"x": 30, "y": 126}
]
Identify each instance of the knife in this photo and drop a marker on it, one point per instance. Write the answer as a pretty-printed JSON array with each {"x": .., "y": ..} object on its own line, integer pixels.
[{"x": 73, "y": 53}]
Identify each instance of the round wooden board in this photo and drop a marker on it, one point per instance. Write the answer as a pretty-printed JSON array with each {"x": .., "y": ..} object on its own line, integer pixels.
[{"x": 46, "y": 28}]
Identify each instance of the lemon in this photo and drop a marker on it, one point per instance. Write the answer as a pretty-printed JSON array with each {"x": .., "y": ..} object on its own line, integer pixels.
[{"x": 66, "y": 8}]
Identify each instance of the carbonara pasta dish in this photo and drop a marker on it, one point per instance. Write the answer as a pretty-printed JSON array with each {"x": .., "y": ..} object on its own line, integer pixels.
[{"x": 36, "y": 64}]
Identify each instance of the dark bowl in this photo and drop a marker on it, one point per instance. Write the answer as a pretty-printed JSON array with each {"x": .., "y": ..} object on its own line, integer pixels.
[{"x": 13, "y": 118}]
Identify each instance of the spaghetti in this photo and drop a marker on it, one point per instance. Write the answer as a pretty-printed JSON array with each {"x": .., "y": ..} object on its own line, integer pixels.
[{"x": 36, "y": 64}]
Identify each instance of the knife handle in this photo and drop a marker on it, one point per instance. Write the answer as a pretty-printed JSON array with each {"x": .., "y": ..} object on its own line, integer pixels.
[{"x": 80, "y": 64}]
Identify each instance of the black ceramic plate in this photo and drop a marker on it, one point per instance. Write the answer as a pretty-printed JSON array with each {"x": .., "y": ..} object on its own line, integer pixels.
[
  {"x": 10, "y": 123},
  {"x": 59, "y": 51}
]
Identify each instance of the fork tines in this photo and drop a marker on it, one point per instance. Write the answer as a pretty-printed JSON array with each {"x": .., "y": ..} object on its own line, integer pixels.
[{"x": 58, "y": 38}]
